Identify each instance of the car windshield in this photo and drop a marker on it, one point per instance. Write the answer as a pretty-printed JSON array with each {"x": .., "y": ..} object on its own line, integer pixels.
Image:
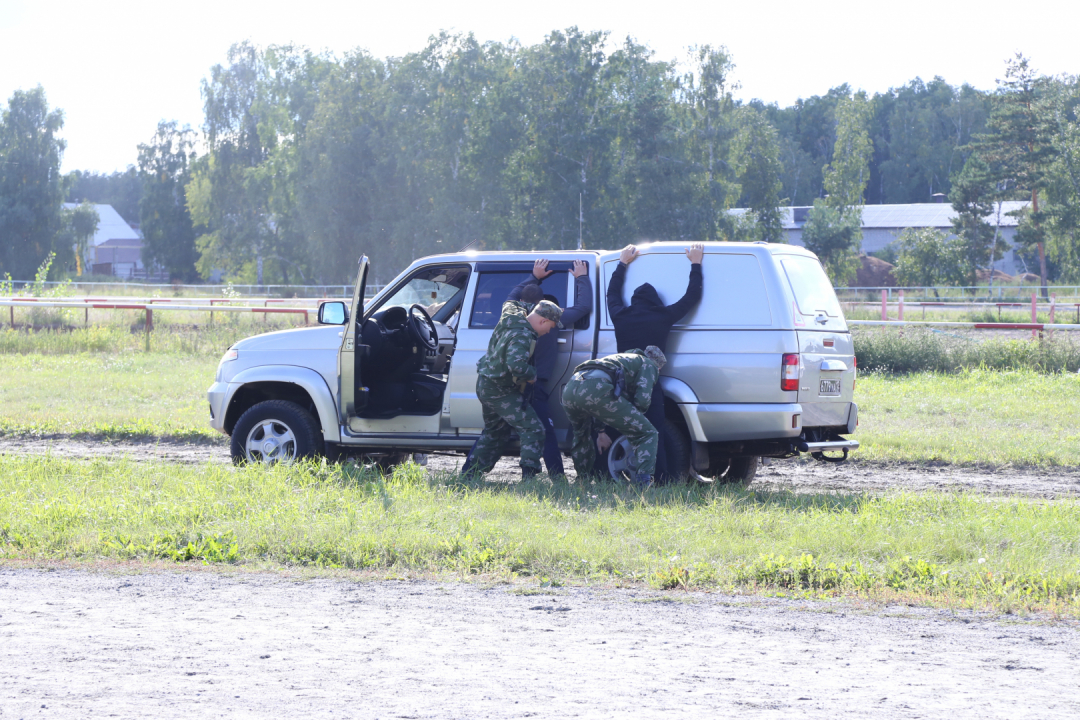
[{"x": 431, "y": 288}]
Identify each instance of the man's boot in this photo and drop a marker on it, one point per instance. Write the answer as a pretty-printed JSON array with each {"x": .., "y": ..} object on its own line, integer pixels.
[{"x": 643, "y": 482}]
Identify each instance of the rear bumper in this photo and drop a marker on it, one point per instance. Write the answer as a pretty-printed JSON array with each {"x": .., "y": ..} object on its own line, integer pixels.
[
  {"x": 716, "y": 422},
  {"x": 723, "y": 422}
]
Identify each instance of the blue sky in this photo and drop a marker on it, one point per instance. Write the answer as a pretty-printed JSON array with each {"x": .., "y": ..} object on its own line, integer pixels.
[{"x": 117, "y": 68}]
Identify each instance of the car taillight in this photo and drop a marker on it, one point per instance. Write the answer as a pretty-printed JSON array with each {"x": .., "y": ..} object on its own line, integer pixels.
[
  {"x": 789, "y": 372},
  {"x": 855, "y": 367}
]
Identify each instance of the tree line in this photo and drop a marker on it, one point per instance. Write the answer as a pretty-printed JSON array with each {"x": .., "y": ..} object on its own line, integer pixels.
[{"x": 305, "y": 160}]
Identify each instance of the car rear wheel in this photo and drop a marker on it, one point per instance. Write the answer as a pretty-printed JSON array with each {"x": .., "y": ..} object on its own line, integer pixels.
[
  {"x": 274, "y": 431},
  {"x": 733, "y": 470}
]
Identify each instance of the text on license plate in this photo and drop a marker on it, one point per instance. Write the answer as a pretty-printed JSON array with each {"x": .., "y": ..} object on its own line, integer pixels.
[{"x": 830, "y": 387}]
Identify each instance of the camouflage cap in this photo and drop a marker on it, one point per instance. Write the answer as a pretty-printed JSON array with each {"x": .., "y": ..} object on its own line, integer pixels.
[
  {"x": 656, "y": 355},
  {"x": 549, "y": 311}
]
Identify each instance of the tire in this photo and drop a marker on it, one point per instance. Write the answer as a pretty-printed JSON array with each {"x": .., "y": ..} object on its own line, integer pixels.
[
  {"x": 735, "y": 471},
  {"x": 275, "y": 431},
  {"x": 620, "y": 462},
  {"x": 678, "y": 451}
]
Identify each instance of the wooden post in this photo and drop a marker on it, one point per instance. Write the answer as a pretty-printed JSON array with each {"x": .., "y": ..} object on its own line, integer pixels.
[
  {"x": 149, "y": 326},
  {"x": 1034, "y": 315},
  {"x": 884, "y": 306},
  {"x": 900, "y": 316},
  {"x": 86, "y": 317},
  {"x": 1053, "y": 303}
]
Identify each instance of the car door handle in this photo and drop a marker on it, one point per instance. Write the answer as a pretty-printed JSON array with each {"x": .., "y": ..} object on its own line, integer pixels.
[
  {"x": 562, "y": 341},
  {"x": 833, "y": 365}
]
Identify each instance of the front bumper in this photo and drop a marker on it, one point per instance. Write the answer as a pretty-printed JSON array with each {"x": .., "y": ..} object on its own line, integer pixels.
[{"x": 218, "y": 395}]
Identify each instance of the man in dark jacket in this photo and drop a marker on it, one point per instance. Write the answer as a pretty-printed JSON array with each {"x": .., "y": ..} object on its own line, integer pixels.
[
  {"x": 547, "y": 347},
  {"x": 647, "y": 321}
]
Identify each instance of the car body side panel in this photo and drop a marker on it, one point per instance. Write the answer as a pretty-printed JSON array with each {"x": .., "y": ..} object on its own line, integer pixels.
[{"x": 312, "y": 382}]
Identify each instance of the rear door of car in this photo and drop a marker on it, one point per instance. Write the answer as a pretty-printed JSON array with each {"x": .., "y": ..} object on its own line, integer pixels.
[
  {"x": 826, "y": 351},
  {"x": 491, "y": 284}
]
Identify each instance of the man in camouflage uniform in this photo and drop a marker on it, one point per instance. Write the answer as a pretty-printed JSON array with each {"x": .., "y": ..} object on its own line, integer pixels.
[
  {"x": 503, "y": 375},
  {"x": 616, "y": 390}
]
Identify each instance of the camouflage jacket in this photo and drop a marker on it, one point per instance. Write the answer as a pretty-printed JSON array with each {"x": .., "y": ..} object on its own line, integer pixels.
[
  {"x": 507, "y": 362},
  {"x": 639, "y": 374}
]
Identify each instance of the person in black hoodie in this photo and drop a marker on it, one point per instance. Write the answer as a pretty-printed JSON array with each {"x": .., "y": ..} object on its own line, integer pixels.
[{"x": 647, "y": 321}]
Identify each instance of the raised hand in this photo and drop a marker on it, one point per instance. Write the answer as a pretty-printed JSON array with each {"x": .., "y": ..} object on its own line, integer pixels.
[
  {"x": 628, "y": 254},
  {"x": 580, "y": 268},
  {"x": 540, "y": 270},
  {"x": 696, "y": 252}
]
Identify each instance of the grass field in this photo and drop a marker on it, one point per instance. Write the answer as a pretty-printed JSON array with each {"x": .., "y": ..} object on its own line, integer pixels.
[
  {"x": 952, "y": 550},
  {"x": 978, "y": 417}
]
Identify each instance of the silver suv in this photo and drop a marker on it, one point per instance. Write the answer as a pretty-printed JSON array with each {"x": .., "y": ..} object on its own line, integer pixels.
[{"x": 762, "y": 367}]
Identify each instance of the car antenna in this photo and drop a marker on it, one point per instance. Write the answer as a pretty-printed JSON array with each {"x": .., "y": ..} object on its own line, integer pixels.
[{"x": 469, "y": 245}]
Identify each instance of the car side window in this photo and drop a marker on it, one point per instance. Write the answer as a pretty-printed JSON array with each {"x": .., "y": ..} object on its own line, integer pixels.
[{"x": 492, "y": 289}]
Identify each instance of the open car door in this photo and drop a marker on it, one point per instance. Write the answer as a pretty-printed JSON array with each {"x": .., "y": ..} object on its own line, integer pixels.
[{"x": 352, "y": 393}]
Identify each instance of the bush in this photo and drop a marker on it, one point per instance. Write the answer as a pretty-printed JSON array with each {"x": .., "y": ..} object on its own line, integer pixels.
[{"x": 928, "y": 350}]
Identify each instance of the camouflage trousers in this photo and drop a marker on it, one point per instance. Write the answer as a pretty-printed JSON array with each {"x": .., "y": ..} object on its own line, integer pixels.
[
  {"x": 505, "y": 412},
  {"x": 587, "y": 397}
]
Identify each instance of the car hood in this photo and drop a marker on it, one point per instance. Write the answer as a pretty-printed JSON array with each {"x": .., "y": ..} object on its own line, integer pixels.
[{"x": 326, "y": 337}]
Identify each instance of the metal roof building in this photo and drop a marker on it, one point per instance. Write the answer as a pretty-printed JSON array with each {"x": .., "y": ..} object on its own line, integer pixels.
[{"x": 882, "y": 224}]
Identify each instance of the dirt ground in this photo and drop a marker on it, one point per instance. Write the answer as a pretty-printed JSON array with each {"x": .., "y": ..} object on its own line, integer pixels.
[
  {"x": 797, "y": 476},
  {"x": 199, "y": 644}
]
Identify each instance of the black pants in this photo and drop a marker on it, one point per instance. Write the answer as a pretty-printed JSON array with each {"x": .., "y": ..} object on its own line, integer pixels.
[
  {"x": 655, "y": 415},
  {"x": 552, "y": 455},
  {"x": 553, "y": 459}
]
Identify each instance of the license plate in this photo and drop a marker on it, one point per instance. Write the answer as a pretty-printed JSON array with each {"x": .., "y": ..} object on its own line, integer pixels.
[{"x": 829, "y": 387}]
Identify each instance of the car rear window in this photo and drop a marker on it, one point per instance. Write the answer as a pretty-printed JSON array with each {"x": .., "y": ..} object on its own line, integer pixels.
[
  {"x": 492, "y": 289},
  {"x": 810, "y": 285}
]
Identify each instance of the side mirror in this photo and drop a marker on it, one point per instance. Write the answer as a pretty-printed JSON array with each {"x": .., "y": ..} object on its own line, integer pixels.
[{"x": 333, "y": 313}]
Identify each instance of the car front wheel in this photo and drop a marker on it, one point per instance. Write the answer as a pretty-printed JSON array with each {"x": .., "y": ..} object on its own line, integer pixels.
[{"x": 274, "y": 431}]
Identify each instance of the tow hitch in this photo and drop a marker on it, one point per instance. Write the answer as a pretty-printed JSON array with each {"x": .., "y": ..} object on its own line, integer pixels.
[{"x": 817, "y": 449}]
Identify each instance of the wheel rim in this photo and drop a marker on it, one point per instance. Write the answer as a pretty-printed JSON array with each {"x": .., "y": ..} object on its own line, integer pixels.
[
  {"x": 270, "y": 441},
  {"x": 622, "y": 462}
]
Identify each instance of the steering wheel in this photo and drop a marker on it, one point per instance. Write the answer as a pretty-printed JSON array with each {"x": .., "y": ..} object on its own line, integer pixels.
[{"x": 422, "y": 327}]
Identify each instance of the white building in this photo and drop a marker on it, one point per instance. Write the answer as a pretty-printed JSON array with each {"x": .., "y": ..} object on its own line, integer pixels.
[
  {"x": 882, "y": 224},
  {"x": 116, "y": 248}
]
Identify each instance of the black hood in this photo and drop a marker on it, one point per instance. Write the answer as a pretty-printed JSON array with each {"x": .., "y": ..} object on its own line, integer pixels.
[{"x": 646, "y": 295}]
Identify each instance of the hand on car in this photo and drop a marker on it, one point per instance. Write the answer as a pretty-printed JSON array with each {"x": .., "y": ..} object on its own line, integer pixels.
[
  {"x": 603, "y": 442},
  {"x": 580, "y": 268},
  {"x": 540, "y": 270},
  {"x": 696, "y": 252},
  {"x": 628, "y": 254}
]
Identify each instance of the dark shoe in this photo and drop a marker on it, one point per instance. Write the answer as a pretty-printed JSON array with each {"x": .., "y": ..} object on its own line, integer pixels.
[
  {"x": 529, "y": 473},
  {"x": 643, "y": 482}
]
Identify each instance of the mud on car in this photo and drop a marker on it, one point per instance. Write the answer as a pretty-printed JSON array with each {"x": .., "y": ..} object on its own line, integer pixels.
[{"x": 764, "y": 366}]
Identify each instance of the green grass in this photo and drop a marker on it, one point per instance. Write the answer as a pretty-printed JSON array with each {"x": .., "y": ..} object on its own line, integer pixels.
[
  {"x": 940, "y": 549},
  {"x": 110, "y": 395},
  {"x": 167, "y": 337},
  {"x": 976, "y": 417}
]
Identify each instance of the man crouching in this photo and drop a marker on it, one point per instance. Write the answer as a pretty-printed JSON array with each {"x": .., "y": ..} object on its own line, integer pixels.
[
  {"x": 503, "y": 375},
  {"x": 616, "y": 390}
]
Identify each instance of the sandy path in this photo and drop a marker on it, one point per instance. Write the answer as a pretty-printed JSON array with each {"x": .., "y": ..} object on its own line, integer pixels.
[
  {"x": 781, "y": 475},
  {"x": 182, "y": 645}
]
